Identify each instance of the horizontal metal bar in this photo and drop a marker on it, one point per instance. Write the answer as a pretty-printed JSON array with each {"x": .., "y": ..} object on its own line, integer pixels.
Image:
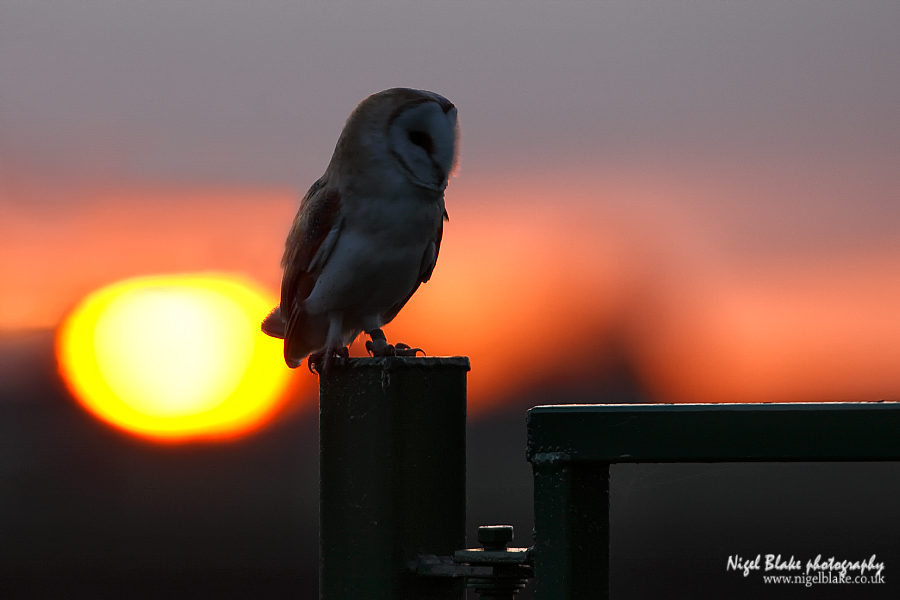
[
  {"x": 477, "y": 556},
  {"x": 632, "y": 433}
]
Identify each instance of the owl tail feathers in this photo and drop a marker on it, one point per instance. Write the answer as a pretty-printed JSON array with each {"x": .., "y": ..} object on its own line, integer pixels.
[
  {"x": 303, "y": 335},
  {"x": 301, "y": 338},
  {"x": 273, "y": 325}
]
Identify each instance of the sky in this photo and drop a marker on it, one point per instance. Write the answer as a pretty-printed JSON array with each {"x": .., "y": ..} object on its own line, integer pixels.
[{"x": 709, "y": 190}]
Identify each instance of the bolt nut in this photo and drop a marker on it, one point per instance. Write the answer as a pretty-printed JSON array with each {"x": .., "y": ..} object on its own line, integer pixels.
[{"x": 495, "y": 537}]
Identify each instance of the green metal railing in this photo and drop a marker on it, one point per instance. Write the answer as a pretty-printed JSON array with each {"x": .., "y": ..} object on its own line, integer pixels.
[{"x": 571, "y": 448}]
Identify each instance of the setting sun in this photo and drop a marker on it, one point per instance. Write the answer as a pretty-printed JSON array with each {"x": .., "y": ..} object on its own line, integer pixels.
[{"x": 175, "y": 356}]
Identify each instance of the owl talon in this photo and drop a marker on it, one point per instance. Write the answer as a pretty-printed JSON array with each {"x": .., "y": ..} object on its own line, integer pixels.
[
  {"x": 401, "y": 349},
  {"x": 320, "y": 362},
  {"x": 385, "y": 349}
]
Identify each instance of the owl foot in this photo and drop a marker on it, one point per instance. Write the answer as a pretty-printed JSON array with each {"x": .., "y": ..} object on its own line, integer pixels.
[
  {"x": 320, "y": 362},
  {"x": 378, "y": 346},
  {"x": 398, "y": 349}
]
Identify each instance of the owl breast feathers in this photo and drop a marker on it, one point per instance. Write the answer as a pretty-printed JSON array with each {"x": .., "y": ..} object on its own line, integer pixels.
[{"x": 368, "y": 232}]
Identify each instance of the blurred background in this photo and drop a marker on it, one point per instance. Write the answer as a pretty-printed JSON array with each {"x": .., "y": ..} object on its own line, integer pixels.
[{"x": 656, "y": 202}]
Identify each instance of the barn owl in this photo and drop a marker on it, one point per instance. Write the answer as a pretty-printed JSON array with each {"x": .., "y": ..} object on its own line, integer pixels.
[{"x": 368, "y": 232}]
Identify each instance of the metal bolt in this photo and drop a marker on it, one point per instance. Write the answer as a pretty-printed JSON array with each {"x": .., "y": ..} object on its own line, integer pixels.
[{"x": 495, "y": 537}]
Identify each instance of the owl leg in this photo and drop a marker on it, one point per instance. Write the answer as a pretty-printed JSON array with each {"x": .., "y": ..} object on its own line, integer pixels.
[
  {"x": 322, "y": 360},
  {"x": 379, "y": 346}
]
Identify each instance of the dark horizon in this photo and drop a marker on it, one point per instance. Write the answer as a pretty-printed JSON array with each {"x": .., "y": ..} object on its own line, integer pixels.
[{"x": 90, "y": 511}]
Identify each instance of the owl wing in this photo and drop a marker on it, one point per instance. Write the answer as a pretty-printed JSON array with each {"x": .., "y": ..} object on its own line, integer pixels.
[
  {"x": 429, "y": 260},
  {"x": 313, "y": 235},
  {"x": 314, "y": 232}
]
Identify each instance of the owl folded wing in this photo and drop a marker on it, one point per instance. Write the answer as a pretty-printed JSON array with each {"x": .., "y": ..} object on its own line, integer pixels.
[{"x": 312, "y": 238}]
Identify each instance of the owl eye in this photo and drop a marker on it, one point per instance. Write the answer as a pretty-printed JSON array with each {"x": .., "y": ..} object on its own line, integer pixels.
[{"x": 422, "y": 140}]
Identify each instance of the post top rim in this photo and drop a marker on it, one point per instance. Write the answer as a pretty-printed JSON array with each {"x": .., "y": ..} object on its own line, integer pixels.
[{"x": 393, "y": 363}]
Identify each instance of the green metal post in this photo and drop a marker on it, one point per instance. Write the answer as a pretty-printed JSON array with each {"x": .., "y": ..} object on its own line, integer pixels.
[
  {"x": 392, "y": 475},
  {"x": 571, "y": 520}
]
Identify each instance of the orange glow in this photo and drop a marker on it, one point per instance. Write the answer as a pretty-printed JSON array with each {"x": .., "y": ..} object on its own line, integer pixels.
[
  {"x": 55, "y": 251},
  {"x": 535, "y": 277},
  {"x": 174, "y": 357}
]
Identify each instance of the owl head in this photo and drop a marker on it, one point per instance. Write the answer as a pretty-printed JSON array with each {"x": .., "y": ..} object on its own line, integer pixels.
[{"x": 414, "y": 129}]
